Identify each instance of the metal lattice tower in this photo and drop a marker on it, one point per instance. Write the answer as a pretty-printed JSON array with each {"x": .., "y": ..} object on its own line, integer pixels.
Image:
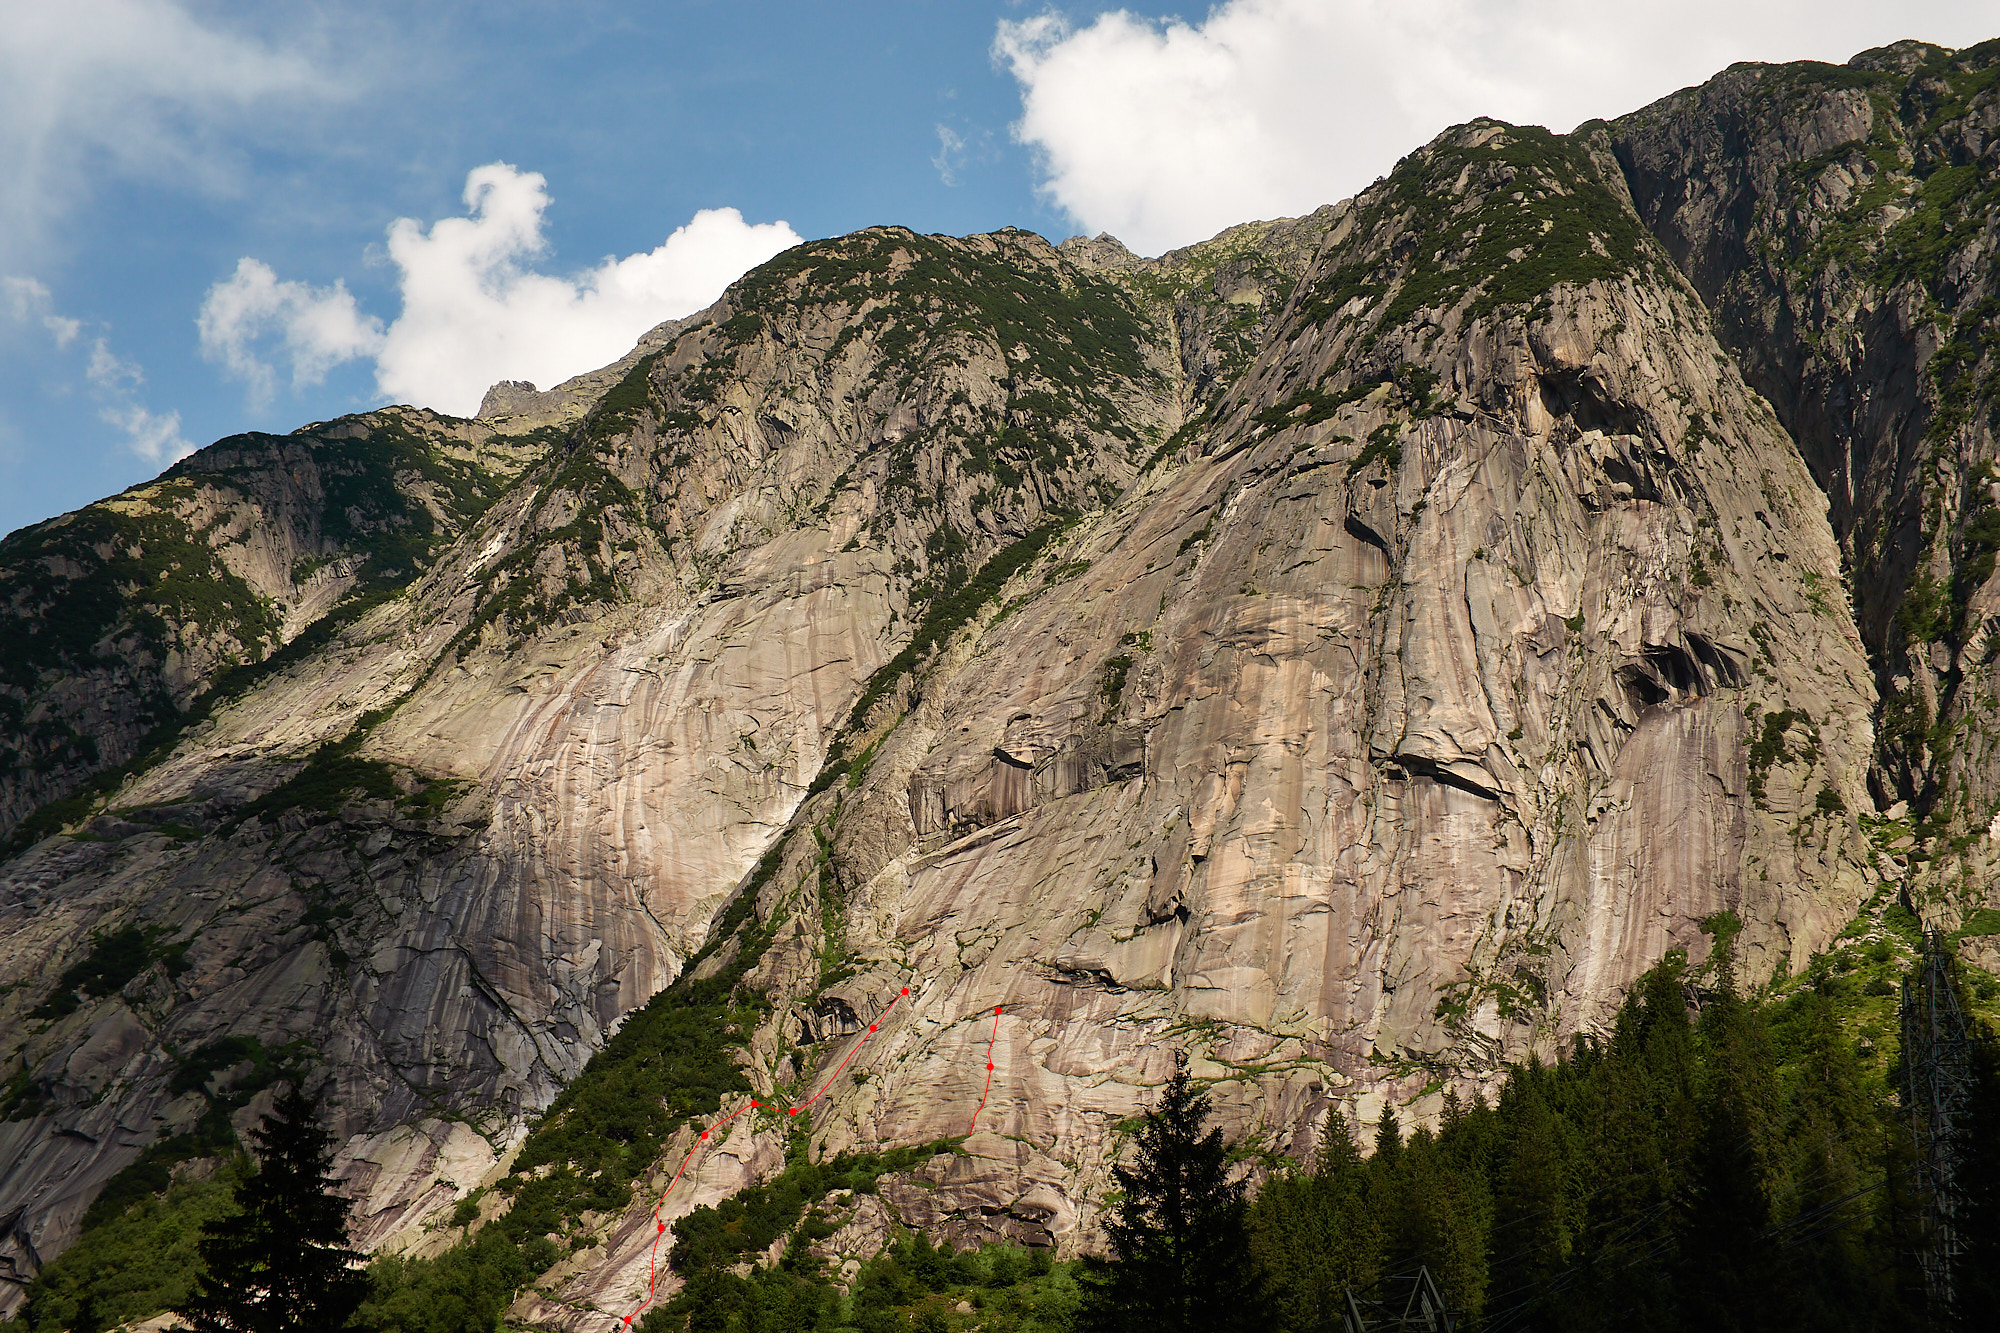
[
  {"x": 1425, "y": 1312},
  {"x": 1937, "y": 1070}
]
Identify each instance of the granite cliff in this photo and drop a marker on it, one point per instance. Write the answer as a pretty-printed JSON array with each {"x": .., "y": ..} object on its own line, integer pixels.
[
  {"x": 1841, "y": 226},
  {"x": 1349, "y": 650}
]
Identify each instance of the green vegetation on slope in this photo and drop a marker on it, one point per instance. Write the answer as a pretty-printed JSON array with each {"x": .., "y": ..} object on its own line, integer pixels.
[
  {"x": 672, "y": 1062},
  {"x": 910, "y": 1285},
  {"x": 135, "y": 1264},
  {"x": 1502, "y": 223},
  {"x": 1072, "y": 343},
  {"x": 950, "y": 608},
  {"x": 115, "y": 958},
  {"x": 1896, "y": 218},
  {"x": 1740, "y": 1166},
  {"x": 117, "y": 585},
  {"x": 568, "y": 560},
  {"x": 910, "y": 1281},
  {"x": 1707, "y": 1153},
  {"x": 1057, "y": 323}
]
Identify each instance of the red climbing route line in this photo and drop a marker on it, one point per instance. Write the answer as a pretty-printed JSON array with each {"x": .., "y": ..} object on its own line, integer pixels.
[
  {"x": 851, "y": 1053},
  {"x": 989, "y": 1072},
  {"x": 660, "y": 1228}
]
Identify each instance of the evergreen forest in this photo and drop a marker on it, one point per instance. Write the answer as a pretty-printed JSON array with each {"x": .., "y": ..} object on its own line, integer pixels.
[{"x": 1713, "y": 1161}]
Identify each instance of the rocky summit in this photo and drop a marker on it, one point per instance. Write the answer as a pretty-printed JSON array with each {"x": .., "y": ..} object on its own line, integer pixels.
[{"x": 1348, "y": 651}]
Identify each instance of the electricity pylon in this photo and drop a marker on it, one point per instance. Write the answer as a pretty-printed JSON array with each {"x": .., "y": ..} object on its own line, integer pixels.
[
  {"x": 1937, "y": 1079},
  {"x": 1424, "y": 1312}
]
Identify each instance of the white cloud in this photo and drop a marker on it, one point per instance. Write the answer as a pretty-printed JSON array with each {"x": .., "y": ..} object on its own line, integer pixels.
[
  {"x": 157, "y": 439},
  {"x": 115, "y": 382},
  {"x": 1167, "y": 132},
  {"x": 154, "y": 437},
  {"x": 321, "y": 327},
  {"x": 30, "y": 302},
  {"x": 473, "y": 311},
  {"x": 109, "y": 373},
  {"x": 134, "y": 88},
  {"x": 950, "y": 142}
]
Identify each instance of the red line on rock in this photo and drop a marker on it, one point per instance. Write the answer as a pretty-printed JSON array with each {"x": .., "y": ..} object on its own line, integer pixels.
[
  {"x": 851, "y": 1053},
  {"x": 984, "y": 1092},
  {"x": 660, "y": 1228}
]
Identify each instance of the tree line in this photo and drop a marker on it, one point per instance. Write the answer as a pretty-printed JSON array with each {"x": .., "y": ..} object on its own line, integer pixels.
[{"x": 1710, "y": 1162}]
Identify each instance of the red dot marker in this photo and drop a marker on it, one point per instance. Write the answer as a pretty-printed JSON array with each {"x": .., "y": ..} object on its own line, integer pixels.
[
  {"x": 628, "y": 1318},
  {"x": 871, "y": 1027},
  {"x": 704, "y": 1133},
  {"x": 906, "y": 990},
  {"x": 996, "y": 1008},
  {"x": 989, "y": 1066},
  {"x": 753, "y": 1101},
  {"x": 793, "y": 1111},
  {"x": 663, "y": 1226}
]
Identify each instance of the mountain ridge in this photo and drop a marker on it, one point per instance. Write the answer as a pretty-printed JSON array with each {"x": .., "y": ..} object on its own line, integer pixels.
[{"x": 1339, "y": 609}]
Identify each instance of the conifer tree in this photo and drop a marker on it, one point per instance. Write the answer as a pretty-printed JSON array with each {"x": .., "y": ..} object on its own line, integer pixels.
[
  {"x": 1821, "y": 1185},
  {"x": 1534, "y": 1202},
  {"x": 1183, "y": 1261},
  {"x": 1315, "y": 1235},
  {"x": 1644, "y": 1114},
  {"x": 1442, "y": 1223},
  {"x": 281, "y": 1265},
  {"x": 1727, "y": 1264},
  {"x": 1831, "y": 1123},
  {"x": 1728, "y": 1269},
  {"x": 1388, "y": 1138}
]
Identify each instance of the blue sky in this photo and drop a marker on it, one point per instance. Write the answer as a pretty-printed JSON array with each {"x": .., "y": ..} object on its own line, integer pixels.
[{"x": 148, "y": 148}]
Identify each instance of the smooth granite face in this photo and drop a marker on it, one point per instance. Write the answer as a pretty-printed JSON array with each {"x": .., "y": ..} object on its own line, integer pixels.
[{"x": 1411, "y": 669}]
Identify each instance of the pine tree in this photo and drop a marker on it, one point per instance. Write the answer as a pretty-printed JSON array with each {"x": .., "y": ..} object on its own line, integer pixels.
[
  {"x": 1534, "y": 1201},
  {"x": 1637, "y": 1123},
  {"x": 1821, "y": 1188},
  {"x": 1183, "y": 1261},
  {"x": 1314, "y": 1235},
  {"x": 282, "y": 1264},
  {"x": 1728, "y": 1268},
  {"x": 1388, "y": 1138},
  {"x": 1442, "y": 1221}
]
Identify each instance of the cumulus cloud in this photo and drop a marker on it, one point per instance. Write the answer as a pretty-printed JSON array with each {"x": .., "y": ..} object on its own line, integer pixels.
[
  {"x": 474, "y": 313},
  {"x": 319, "y": 327},
  {"x": 1166, "y": 132},
  {"x": 474, "y": 310},
  {"x": 155, "y": 438},
  {"x": 135, "y": 88}
]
